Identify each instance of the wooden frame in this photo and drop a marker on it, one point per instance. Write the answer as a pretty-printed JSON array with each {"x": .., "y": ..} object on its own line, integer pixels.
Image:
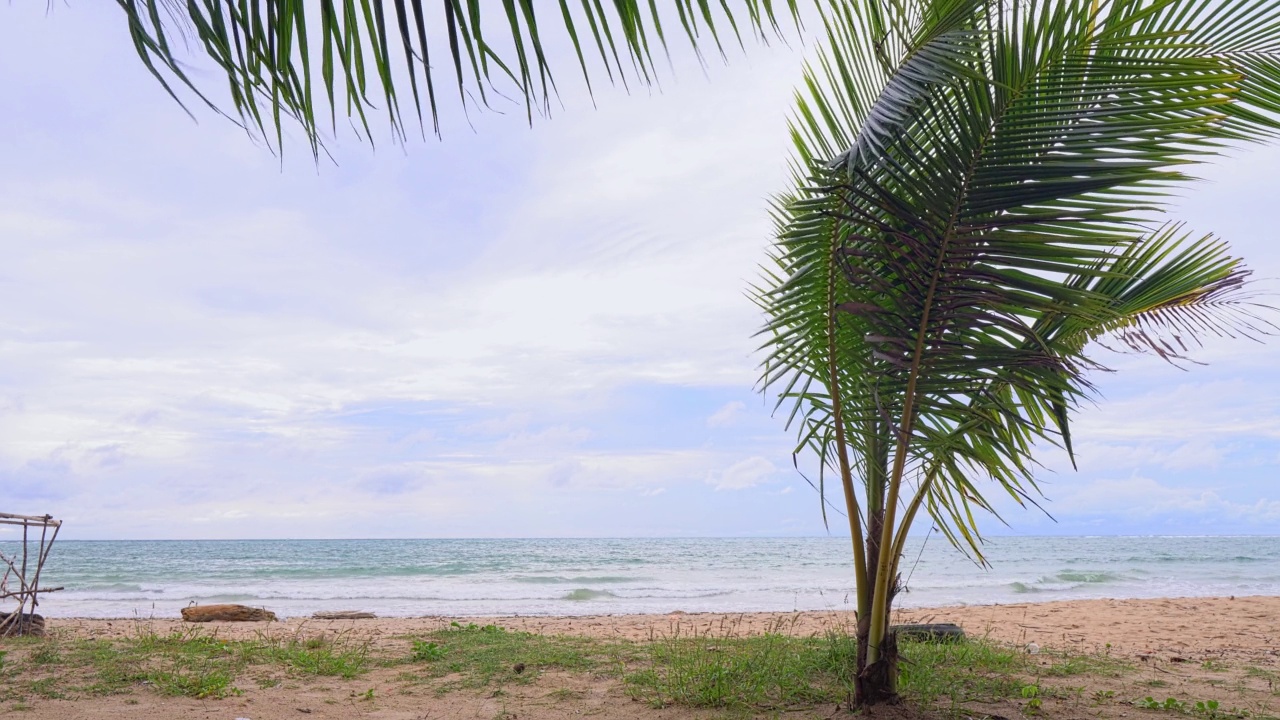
[{"x": 14, "y": 582}]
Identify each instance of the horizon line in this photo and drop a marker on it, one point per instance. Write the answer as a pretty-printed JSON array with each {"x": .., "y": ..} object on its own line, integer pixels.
[{"x": 638, "y": 537}]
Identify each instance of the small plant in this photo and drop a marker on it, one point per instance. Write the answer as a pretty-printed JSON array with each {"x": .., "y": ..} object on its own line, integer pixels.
[
  {"x": 215, "y": 684},
  {"x": 472, "y": 627},
  {"x": 45, "y": 655},
  {"x": 1211, "y": 709},
  {"x": 320, "y": 657},
  {"x": 425, "y": 651},
  {"x": 1032, "y": 695},
  {"x": 1102, "y": 696},
  {"x": 47, "y": 688},
  {"x": 1169, "y": 704}
]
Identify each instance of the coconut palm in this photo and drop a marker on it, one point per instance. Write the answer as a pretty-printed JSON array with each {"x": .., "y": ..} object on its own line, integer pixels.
[
  {"x": 977, "y": 194},
  {"x": 296, "y": 59},
  {"x": 976, "y": 199}
]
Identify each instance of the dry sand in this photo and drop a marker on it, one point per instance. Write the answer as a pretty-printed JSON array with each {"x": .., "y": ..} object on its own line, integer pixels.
[{"x": 1226, "y": 649}]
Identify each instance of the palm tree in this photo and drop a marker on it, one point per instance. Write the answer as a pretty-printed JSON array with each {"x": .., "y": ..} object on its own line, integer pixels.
[
  {"x": 365, "y": 51},
  {"x": 976, "y": 199},
  {"x": 977, "y": 189}
]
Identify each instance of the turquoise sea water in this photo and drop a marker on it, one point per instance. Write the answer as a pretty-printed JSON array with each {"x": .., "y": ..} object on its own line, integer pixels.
[{"x": 577, "y": 577}]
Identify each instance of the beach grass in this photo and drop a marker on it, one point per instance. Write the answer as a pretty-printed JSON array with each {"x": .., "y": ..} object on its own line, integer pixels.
[
  {"x": 191, "y": 663},
  {"x": 776, "y": 672},
  {"x": 469, "y": 656},
  {"x": 781, "y": 672},
  {"x": 768, "y": 672},
  {"x": 764, "y": 672}
]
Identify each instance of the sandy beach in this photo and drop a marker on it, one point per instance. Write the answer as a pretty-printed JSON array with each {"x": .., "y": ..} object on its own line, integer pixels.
[
  {"x": 1226, "y": 649},
  {"x": 1243, "y": 628}
]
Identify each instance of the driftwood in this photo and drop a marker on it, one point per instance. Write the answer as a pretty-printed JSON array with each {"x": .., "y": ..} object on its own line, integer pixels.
[
  {"x": 20, "y": 570},
  {"x": 343, "y": 615},
  {"x": 226, "y": 613}
]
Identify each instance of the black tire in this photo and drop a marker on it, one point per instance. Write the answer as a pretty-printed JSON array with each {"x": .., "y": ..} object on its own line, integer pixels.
[
  {"x": 929, "y": 632},
  {"x": 25, "y": 624}
]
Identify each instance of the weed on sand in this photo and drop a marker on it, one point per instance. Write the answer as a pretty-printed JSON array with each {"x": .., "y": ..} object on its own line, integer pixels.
[
  {"x": 476, "y": 656},
  {"x": 740, "y": 674},
  {"x": 189, "y": 663},
  {"x": 779, "y": 672}
]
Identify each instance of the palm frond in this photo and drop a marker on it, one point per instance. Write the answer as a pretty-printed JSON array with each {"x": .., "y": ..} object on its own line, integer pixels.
[
  {"x": 278, "y": 55},
  {"x": 1170, "y": 289}
]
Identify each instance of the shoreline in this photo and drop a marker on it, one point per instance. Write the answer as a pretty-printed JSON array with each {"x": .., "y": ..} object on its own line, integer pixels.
[{"x": 1196, "y": 628}]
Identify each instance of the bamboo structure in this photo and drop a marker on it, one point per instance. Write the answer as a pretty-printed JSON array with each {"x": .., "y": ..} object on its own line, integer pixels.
[{"x": 22, "y": 565}]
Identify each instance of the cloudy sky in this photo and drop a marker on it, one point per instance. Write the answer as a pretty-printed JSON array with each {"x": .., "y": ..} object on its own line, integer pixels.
[{"x": 514, "y": 332}]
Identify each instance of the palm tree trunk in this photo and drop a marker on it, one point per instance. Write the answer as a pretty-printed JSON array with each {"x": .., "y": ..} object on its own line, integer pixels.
[{"x": 875, "y": 683}]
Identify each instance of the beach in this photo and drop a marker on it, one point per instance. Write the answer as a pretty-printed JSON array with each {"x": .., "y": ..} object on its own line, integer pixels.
[
  {"x": 1243, "y": 628},
  {"x": 1225, "y": 650}
]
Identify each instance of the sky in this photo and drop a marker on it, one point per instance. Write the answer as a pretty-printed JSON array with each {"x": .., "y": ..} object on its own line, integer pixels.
[{"x": 512, "y": 332}]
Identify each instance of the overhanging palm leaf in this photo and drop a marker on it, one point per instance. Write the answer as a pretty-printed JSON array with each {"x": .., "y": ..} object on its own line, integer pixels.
[
  {"x": 1163, "y": 290},
  {"x": 969, "y": 213},
  {"x": 272, "y": 50}
]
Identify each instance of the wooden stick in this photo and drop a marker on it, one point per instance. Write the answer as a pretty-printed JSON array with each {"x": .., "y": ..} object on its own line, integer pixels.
[{"x": 11, "y": 519}]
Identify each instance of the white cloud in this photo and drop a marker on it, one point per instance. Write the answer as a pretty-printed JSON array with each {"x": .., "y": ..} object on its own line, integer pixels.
[
  {"x": 743, "y": 474},
  {"x": 726, "y": 414},
  {"x": 1198, "y": 453},
  {"x": 563, "y": 472},
  {"x": 1145, "y": 498},
  {"x": 1147, "y": 455}
]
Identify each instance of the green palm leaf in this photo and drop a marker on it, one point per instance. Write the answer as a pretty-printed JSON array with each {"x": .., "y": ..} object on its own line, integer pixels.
[{"x": 365, "y": 51}]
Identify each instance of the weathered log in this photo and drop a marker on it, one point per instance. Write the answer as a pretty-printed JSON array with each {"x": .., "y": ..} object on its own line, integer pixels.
[
  {"x": 226, "y": 613},
  {"x": 343, "y": 615}
]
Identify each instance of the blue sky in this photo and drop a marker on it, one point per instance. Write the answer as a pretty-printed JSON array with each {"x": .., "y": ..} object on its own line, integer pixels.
[{"x": 514, "y": 332}]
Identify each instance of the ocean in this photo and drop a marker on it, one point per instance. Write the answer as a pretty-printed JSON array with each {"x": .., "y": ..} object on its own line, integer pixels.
[{"x": 613, "y": 576}]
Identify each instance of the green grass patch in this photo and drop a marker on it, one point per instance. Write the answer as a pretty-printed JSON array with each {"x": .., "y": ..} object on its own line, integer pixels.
[
  {"x": 965, "y": 671},
  {"x": 211, "y": 683},
  {"x": 188, "y": 663},
  {"x": 46, "y": 688},
  {"x": 45, "y": 655},
  {"x": 315, "y": 657},
  {"x": 474, "y": 656},
  {"x": 769, "y": 671},
  {"x": 780, "y": 672},
  {"x": 1097, "y": 665}
]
